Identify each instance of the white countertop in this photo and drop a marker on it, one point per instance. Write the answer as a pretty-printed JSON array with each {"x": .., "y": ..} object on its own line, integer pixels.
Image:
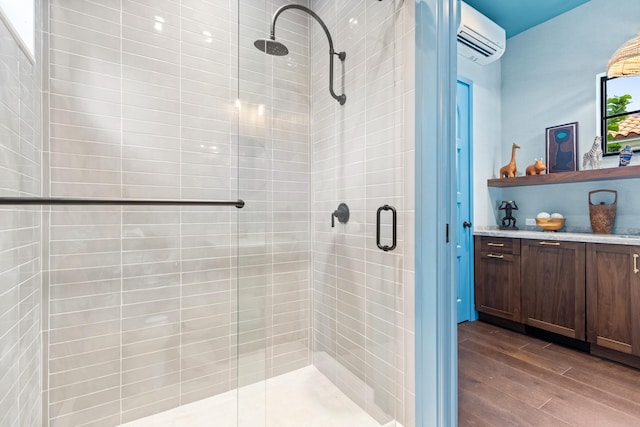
[{"x": 614, "y": 239}]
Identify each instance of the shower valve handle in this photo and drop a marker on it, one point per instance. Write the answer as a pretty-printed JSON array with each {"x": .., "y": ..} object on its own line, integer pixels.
[{"x": 342, "y": 213}]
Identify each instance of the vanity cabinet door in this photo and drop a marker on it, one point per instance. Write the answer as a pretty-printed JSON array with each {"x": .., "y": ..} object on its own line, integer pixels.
[
  {"x": 553, "y": 286},
  {"x": 613, "y": 297},
  {"x": 497, "y": 277}
]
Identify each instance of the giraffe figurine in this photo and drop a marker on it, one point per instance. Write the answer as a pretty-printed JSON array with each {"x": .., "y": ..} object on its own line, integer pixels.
[{"x": 509, "y": 170}]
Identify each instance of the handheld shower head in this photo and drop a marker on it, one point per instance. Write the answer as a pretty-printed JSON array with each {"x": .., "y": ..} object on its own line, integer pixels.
[{"x": 271, "y": 47}]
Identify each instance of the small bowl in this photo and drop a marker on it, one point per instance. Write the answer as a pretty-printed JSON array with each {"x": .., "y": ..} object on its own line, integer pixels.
[{"x": 550, "y": 224}]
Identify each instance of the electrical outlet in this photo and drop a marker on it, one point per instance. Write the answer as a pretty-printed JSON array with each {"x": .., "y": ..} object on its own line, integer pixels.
[{"x": 530, "y": 221}]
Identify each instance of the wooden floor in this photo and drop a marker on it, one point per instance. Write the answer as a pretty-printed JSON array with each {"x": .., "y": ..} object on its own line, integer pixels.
[{"x": 510, "y": 379}]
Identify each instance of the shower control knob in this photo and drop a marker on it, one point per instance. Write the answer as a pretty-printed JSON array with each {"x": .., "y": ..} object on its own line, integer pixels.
[{"x": 342, "y": 213}]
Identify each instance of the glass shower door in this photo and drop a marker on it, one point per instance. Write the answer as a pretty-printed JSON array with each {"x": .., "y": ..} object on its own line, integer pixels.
[
  {"x": 319, "y": 308},
  {"x": 255, "y": 171}
]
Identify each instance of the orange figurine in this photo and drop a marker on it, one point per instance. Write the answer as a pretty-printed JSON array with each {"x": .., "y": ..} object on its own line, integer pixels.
[
  {"x": 536, "y": 169},
  {"x": 510, "y": 169}
]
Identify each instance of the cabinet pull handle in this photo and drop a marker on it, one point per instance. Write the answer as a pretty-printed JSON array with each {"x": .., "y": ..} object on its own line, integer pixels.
[
  {"x": 550, "y": 243},
  {"x": 495, "y": 256},
  {"x": 635, "y": 264},
  {"x": 500, "y": 245}
]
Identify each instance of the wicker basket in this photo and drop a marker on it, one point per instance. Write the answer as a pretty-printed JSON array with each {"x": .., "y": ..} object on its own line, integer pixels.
[{"x": 602, "y": 216}]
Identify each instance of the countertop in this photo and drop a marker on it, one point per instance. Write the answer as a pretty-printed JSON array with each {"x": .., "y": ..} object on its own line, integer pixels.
[{"x": 614, "y": 239}]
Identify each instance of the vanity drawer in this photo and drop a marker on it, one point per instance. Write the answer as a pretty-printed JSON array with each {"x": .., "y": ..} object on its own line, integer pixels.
[{"x": 502, "y": 245}]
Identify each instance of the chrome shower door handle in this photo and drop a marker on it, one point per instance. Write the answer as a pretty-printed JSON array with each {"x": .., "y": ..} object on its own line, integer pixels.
[{"x": 394, "y": 227}]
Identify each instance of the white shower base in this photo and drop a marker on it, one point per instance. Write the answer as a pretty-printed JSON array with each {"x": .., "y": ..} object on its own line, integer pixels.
[{"x": 300, "y": 398}]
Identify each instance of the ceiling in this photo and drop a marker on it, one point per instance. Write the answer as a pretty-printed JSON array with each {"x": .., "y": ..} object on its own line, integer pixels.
[{"x": 516, "y": 16}]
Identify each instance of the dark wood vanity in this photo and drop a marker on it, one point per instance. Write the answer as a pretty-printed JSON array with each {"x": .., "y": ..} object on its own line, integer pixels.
[{"x": 587, "y": 292}]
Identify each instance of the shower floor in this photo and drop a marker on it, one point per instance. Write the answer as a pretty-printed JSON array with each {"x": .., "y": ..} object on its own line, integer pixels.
[{"x": 303, "y": 397}]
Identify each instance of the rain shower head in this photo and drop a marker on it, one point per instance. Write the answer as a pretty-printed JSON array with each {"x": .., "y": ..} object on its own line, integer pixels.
[{"x": 272, "y": 47}]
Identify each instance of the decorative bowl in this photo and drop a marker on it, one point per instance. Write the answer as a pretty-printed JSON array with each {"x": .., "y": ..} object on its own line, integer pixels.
[{"x": 550, "y": 224}]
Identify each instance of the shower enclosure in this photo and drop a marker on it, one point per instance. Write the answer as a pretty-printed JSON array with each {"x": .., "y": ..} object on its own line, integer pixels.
[{"x": 136, "y": 308}]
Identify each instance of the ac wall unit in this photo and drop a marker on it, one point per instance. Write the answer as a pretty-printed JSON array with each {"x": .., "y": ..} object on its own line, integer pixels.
[{"x": 479, "y": 39}]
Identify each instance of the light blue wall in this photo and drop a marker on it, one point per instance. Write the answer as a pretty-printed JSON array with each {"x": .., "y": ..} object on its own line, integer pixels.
[
  {"x": 549, "y": 78},
  {"x": 572, "y": 201},
  {"x": 487, "y": 133}
]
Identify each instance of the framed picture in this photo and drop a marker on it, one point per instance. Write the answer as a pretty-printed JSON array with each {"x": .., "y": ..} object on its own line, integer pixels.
[{"x": 562, "y": 148}]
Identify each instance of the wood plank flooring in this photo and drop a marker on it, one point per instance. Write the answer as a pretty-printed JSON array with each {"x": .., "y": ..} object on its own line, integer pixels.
[{"x": 509, "y": 379}]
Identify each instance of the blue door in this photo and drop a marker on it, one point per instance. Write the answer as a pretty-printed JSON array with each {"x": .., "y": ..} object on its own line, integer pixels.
[{"x": 464, "y": 245}]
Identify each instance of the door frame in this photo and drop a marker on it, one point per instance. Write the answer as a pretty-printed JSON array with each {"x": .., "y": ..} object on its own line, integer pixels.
[{"x": 436, "y": 351}]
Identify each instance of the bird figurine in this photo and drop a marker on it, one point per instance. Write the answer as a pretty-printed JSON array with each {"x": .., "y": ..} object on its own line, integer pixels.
[{"x": 625, "y": 156}]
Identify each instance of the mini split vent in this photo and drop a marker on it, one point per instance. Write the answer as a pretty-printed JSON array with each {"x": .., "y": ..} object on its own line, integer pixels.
[{"x": 479, "y": 39}]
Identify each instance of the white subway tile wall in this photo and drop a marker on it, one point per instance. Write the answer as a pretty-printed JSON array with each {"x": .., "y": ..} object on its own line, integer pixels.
[
  {"x": 362, "y": 154},
  {"x": 147, "y": 101},
  {"x": 149, "y": 308},
  {"x": 20, "y": 228}
]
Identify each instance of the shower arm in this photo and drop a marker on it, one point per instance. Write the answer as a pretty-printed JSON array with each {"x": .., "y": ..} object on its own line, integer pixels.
[{"x": 341, "y": 55}]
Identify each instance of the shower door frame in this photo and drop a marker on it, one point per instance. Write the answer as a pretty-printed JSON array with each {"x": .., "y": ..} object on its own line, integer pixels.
[{"x": 435, "y": 102}]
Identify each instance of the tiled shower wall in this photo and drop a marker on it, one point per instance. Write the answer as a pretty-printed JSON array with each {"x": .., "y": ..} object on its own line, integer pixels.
[
  {"x": 363, "y": 156},
  {"x": 146, "y": 100},
  {"x": 20, "y": 159}
]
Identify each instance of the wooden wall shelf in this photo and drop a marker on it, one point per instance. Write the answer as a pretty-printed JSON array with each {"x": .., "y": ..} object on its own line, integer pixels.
[{"x": 626, "y": 172}]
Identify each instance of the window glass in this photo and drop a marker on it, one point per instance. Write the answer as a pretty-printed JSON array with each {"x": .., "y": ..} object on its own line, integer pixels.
[{"x": 620, "y": 104}]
